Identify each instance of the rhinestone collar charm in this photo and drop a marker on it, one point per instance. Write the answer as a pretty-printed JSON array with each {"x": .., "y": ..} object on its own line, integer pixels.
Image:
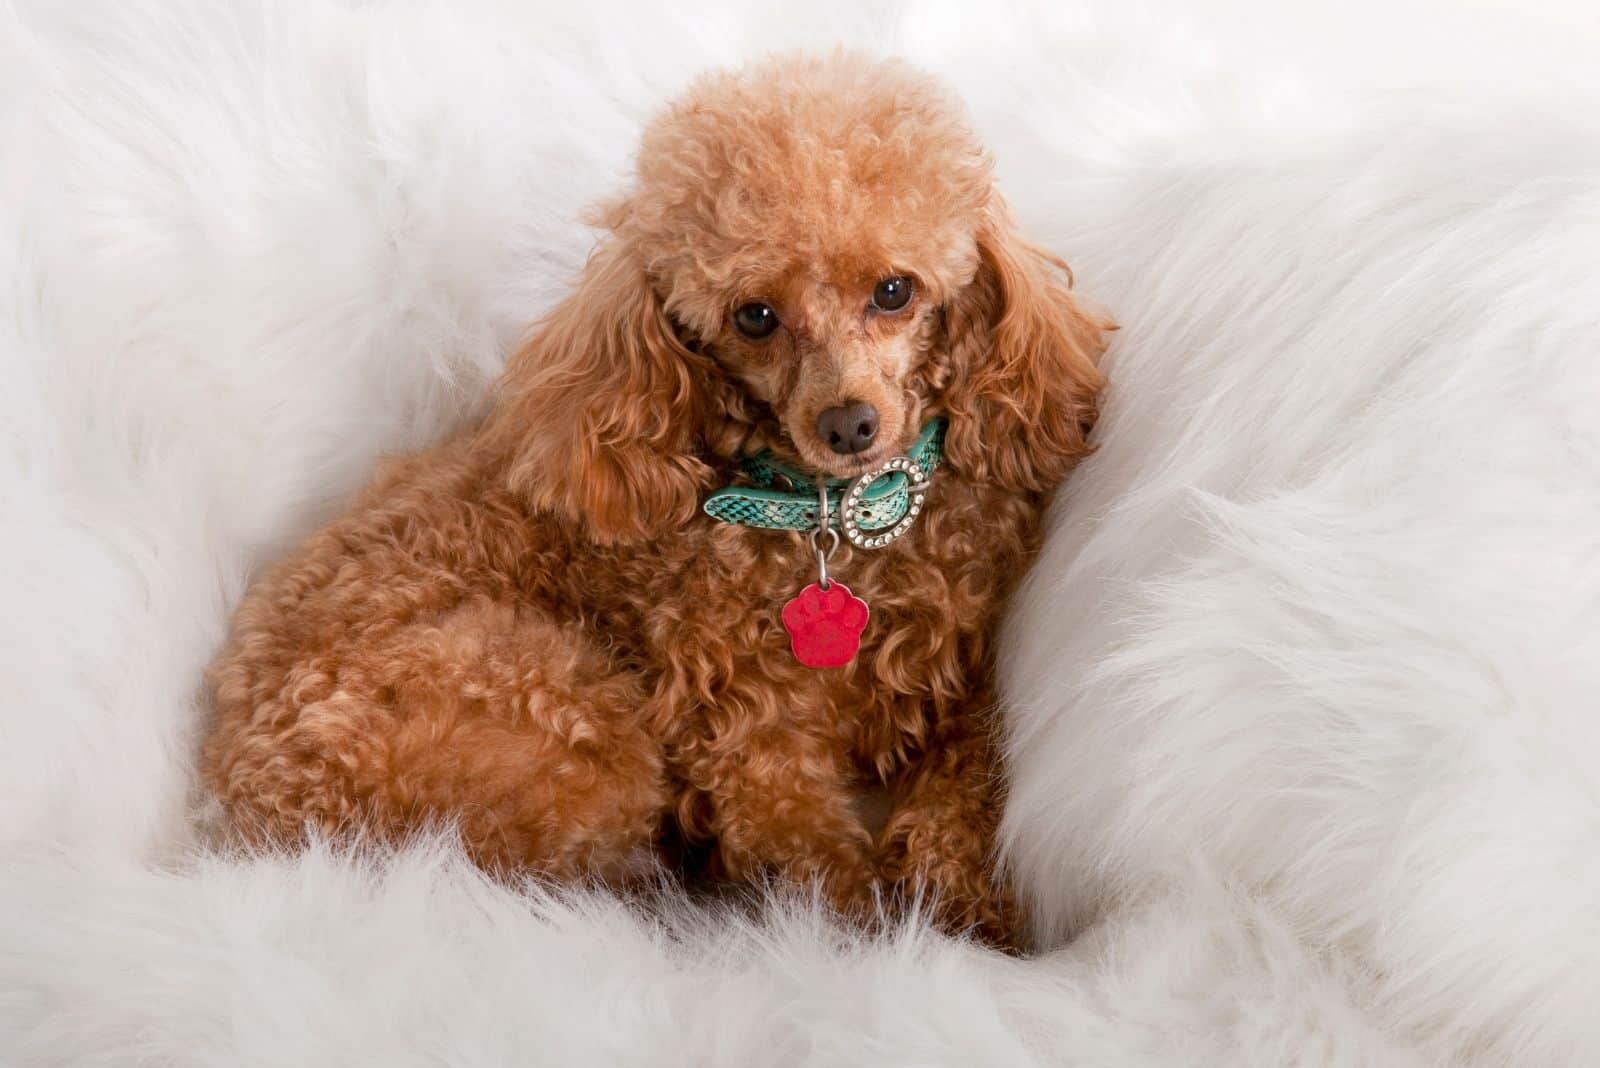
[{"x": 917, "y": 487}]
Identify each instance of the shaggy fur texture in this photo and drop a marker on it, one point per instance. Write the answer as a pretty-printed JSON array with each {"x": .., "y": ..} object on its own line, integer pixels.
[
  {"x": 534, "y": 633},
  {"x": 418, "y": 959},
  {"x": 1390, "y": 626},
  {"x": 1340, "y": 519}
]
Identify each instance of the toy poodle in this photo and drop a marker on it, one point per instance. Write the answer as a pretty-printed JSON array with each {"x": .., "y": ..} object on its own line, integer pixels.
[{"x": 729, "y": 551}]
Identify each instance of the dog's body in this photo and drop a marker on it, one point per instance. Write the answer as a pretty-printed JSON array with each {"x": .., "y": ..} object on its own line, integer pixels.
[{"x": 533, "y": 630}]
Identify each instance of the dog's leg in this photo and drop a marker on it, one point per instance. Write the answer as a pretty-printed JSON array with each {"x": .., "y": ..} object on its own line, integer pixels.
[
  {"x": 939, "y": 842},
  {"x": 777, "y": 800},
  {"x": 491, "y": 718}
]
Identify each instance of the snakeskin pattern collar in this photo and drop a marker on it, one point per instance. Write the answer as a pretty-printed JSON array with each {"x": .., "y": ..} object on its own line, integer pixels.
[{"x": 870, "y": 510}]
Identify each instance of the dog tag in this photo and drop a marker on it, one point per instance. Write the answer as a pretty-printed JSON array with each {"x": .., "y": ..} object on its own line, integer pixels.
[{"x": 825, "y": 625}]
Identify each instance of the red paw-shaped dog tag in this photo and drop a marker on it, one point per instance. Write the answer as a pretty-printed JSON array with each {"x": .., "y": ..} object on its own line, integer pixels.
[{"x": 825, "y": 625}]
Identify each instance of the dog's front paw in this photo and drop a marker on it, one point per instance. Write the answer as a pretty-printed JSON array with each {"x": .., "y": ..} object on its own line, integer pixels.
[{"x": 825, "y": 625}]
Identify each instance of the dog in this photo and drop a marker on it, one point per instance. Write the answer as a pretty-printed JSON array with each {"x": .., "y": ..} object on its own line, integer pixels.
[{"x": 730, "y": 548}]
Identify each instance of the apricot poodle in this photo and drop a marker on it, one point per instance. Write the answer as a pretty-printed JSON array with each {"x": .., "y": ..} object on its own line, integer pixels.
[{"x": 566, "y": 630}]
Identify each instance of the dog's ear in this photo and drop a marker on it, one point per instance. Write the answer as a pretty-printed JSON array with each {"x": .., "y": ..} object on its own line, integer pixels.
[
  {"x": 1025, "y": 390},
  {"x": 598, "y": 415}
]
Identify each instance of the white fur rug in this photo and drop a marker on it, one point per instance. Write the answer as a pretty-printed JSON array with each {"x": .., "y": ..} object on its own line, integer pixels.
[{"x": 1306, "y": 687}]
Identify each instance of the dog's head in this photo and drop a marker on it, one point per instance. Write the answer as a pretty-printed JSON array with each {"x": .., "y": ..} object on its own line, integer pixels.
[{"x": 812, "y": 257}]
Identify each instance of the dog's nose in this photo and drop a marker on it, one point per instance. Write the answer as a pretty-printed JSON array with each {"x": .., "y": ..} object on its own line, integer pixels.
[{"x": 848, "y": 428}]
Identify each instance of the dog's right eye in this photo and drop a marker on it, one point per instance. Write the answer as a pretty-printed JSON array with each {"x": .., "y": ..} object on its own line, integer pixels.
[{"x": 755, "y": 320}]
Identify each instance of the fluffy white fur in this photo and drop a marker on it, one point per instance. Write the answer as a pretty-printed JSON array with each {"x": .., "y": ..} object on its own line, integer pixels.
[
  {"x": 1335, "y": 602},
  {"x": 328, "y": 960},
  {"x": 1304, "y": 685}
]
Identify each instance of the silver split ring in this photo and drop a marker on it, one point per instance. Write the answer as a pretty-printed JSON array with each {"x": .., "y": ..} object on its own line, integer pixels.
[{"x": 824, "y": 555}]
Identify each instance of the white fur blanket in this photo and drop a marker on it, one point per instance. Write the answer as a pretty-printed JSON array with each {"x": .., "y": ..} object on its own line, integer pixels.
[{"x": 1305, "y": 691}]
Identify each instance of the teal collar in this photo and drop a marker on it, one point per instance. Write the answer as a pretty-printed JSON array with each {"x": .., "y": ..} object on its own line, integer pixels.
[{"x": 870, "y": 510}]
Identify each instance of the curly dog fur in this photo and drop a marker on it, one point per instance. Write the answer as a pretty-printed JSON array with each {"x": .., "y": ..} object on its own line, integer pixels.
[{"x": 533, "y": 631}]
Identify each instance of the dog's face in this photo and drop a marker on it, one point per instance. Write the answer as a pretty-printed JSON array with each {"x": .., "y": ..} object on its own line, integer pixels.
[
  {"x": 833, "y": 349},
  {"x": 805, "y": 227},
  {"x": 812, "y": 256}
]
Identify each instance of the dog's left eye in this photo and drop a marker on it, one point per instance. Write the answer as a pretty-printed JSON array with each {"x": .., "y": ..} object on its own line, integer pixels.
[
  {"x": 891, "y": 294},
  {"x": 755, "y": 320}
]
